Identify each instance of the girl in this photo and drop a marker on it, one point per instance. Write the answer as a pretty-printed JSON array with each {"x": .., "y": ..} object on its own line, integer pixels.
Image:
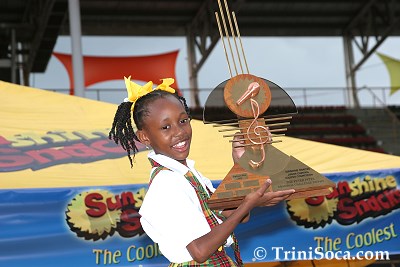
[{"x": 175, "y": 213}]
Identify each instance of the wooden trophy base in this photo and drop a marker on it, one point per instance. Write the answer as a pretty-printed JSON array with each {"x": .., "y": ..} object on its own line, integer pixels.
[{"x": 284, "y": 171}]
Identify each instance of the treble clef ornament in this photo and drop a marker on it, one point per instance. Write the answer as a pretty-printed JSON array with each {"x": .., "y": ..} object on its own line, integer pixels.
[
  {"x": 261, "y": 131},
  {"x": 251, "y": 101}
]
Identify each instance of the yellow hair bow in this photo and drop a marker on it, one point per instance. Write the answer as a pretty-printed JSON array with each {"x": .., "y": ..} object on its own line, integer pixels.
[
  {"x": 165, "y": 86},
  {"x": 135, "y": 91}
]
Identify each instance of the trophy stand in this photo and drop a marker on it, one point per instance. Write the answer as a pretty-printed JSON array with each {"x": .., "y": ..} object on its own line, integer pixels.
[{"x": 246, "y": 104}]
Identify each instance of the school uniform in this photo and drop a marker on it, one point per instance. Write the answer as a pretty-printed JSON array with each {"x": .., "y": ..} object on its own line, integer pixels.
[{"x": 174, "y": 212}]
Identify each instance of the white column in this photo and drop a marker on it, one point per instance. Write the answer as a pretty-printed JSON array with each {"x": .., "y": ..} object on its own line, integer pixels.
[{"x": 76, "y": 45}]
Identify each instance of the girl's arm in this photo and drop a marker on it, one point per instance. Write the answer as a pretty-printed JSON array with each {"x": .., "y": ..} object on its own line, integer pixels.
[
  {"x": 228, "y": 213},
  {"x": 203, "y": 247}
]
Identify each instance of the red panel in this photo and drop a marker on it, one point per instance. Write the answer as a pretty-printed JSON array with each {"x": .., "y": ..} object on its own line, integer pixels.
[{"x": 142, "y": 68}]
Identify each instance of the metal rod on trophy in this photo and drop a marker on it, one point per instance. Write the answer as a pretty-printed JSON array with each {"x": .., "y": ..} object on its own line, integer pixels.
[
  {"x": 233, "y": 35},
  {"x": 225, "y": 34},
  {"x": 223, "y": 43},
  {"x": 269, "y": 119},
  {"x": 240, "y": 40},
  {"x": 243, "y": 128}
]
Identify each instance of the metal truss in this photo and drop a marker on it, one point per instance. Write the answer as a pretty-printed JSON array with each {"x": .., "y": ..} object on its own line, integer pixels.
[{"x": 367, "y": 30}]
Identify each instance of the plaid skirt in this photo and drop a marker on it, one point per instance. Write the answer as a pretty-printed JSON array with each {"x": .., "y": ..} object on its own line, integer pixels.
[{"x": 218, "y": 259}]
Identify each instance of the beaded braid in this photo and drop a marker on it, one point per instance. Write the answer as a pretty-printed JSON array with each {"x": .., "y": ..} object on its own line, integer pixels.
[{"x": 122, "y": 131}]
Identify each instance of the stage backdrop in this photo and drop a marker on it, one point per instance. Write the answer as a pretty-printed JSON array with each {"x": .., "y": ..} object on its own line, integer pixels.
[{"x": 69, "y": 197}]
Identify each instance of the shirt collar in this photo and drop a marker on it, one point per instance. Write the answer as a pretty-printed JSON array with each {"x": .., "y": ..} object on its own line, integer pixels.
[{"x": 172, "y": 164}]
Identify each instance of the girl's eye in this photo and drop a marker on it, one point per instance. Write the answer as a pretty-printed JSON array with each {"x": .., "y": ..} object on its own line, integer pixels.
[
  {"x": 185, "y": 121},
  {"x": 166, "y": 127}
]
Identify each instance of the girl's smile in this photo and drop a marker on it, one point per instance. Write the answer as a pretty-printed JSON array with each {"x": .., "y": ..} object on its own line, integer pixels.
[{"x": 167, "y": 128}]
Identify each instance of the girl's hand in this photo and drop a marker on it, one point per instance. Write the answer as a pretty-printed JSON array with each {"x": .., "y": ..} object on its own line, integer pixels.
[
  {"x": 264, "y": 197},
  {"x": 237, "y": 148}
]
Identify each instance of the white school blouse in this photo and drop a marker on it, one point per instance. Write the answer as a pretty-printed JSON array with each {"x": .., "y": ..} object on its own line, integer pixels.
[{"x": 171, "y": 213}]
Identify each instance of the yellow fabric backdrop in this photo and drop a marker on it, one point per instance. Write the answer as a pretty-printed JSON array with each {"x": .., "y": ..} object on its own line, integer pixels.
[{"x": 27, "y": 111}]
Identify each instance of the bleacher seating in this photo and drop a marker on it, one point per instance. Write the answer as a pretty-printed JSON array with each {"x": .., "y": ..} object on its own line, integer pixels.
[
  {"x": 395, "y": 110},
  {"x": 326, "y": 124},
  {"x": 332, "y": 125},
  {"x": 353, "y": 130}
]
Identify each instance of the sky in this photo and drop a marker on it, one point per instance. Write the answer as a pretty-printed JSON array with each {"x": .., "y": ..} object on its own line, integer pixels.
[{"x": 293, "y": 63}]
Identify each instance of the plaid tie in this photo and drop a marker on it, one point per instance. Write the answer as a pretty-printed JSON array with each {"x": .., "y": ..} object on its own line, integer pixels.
[{"x": 211, "y": 215}]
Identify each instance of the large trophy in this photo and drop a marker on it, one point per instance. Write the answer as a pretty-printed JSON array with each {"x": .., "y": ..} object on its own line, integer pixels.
[{"x": 256, "y": 112}]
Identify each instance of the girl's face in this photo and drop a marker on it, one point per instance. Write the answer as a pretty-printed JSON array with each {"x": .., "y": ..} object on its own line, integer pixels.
[{"x": 166, "y": 128}]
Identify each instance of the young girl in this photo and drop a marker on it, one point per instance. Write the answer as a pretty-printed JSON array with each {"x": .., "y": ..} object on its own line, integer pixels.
[{"x": 175, "y": 213}]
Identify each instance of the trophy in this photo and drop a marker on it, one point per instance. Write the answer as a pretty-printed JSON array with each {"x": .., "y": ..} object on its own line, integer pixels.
[{"x": 256, "y": 111}]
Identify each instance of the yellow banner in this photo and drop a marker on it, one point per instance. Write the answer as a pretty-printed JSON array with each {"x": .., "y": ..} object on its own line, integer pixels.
[{"x": 393, "y": 67}]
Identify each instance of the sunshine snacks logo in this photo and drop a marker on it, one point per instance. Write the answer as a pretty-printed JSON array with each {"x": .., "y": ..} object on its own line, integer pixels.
[
  {"x": 348, "y": 203},
  {"x": 35, "y": 152},
  {"x": 97, "y": 214}
]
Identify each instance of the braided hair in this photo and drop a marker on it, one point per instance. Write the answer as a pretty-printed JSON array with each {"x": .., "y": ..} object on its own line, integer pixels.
[{"x": 122, "y": 131}]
